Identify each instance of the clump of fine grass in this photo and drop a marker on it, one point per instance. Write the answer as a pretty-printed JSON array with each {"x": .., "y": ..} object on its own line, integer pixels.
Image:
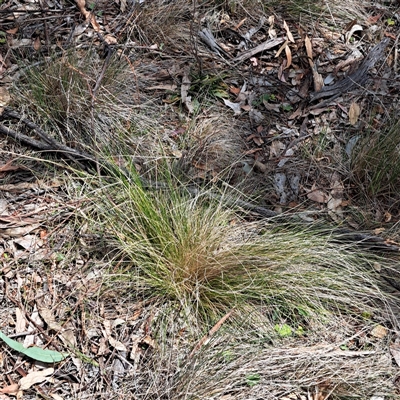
[
  {"x": 375, "y": 167},
  {"x": 333, "y": 13},
  {"x": 79, "y": 97},
  {"x": 194, "y": 251}
]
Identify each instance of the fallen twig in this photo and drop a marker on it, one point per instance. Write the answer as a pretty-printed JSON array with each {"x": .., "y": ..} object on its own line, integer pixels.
[
  {"x": 47, "y": 144},
  {"x": 356, "y": 78}
]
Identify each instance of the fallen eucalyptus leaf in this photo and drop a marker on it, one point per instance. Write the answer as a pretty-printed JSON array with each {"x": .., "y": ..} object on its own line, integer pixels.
[
  {"x": 38, "y": 354},
  {"x": 35, "y": 377}
]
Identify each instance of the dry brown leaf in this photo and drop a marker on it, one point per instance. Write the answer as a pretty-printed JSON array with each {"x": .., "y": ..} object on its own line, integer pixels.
[
  {"x": 95, "y": 24},
  {"x": 354, "y": 113},
  {"x": 388, "y": 216},
  {"x": 117, "y": 344},
  {"x": 87, "y": 14},
  {"x": 317, "y": 195},
  {"x": 288, "y": 56},
  {"x": 17, "y": 232},
  {"x": 308, "y": 44},
  {"x": 240, "y": 24},
  {"x": 21, "y": 321},
  {"x": 288, "y": 33},
  {"x": 110, "y": 39},
  {"x": 213, "y": 330},
  {"x": 281, "y": 49},
  {"x": 172, "y": 87},
  {"x": 35, "y": 377},
  {"x": 379, "y": 332},
  {"x": 103, "y": 347},
  {"x": 122, "y": 5},
  {"x": 36, "y": 43},
  {"x": 82, "y": 8},
  {"x": 149, "y": 341},
  {"x": 260, "y": 167},
  {"x": 10, "y": 389},
  {"x": 318, "y": 80},
  {"x": 334, "y": 205},
  {"x": 276, "y": 148},
  {"x": 68, "y": 337},
  {"x": 12, "y": 31},
  {"x": 272, "y": 33},
  {"x": 107, "y": 325},
  {"x": 355, "y": 28},
  {"x": 48, "y": 317},
  {"x": 7, "y": 166},
  {"x": 136, "y": 351},
  {"x": 373, "y": 19},
  {"x": 236, "y": 107}
]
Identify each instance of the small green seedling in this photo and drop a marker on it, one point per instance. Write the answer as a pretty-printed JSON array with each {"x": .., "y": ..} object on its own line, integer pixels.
[
  {"x": 252, "y": 379},
  {"x": 390, "y": 22},
  {"x": 283, "y": 330}
]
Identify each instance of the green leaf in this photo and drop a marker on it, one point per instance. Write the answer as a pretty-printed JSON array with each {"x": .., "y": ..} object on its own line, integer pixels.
[
  {"x": 252, "y": 379},
  {"x": 38, "y": 354},
  {"x": 283, "y": 330},
  {"x": 300, "y": 331}
]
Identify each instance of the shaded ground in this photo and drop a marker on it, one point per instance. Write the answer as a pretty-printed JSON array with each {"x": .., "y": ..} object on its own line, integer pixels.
[{"x": 188, "y": 82}]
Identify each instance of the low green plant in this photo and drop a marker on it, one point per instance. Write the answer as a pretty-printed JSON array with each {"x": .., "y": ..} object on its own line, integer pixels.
[
  {"x": 253, "y": 379},
  {"x": 283, "y": 330}
]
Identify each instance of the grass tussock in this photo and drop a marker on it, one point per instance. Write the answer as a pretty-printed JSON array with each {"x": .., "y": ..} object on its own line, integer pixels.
[
  {"x": 196, "y": 252},
  {"x": 80, "y": 97},
  {"x": 375, "y": 165}
]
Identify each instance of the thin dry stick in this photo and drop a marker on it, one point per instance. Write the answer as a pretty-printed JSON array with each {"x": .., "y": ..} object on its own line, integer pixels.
[{"x": 213, "y": 330}]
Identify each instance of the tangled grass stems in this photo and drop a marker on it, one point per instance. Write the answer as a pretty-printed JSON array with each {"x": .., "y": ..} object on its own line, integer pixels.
[
  {"x": 375, "y": 166},
  {"x": 197, "y": 252}
]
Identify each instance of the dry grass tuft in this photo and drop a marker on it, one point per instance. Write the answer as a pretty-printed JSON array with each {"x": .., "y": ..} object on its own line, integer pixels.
[
  {"x": 375, "y": 164},
  {"x": 196, "y": 252},
  {"x": 214, "y": 149}
]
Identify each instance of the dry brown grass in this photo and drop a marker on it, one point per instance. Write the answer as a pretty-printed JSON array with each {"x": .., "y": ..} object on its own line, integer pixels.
[{"x": 162, "y": 269}]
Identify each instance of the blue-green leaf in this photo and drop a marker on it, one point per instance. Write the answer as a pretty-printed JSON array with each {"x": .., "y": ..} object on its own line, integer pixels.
[{"x": 38, "y": 354}]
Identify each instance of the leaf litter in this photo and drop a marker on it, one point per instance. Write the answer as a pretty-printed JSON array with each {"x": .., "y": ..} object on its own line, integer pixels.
[{"x": 272, "y": 72}]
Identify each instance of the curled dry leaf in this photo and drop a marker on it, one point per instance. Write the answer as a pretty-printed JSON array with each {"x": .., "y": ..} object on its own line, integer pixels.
[
  {"x": 288, "y": 33},
  {"x": 122, "y": 5},
  {"x": 87, "y": 14},
  {"x": 283, "y": 47},
  {"x": 236, "y": 107},
  {"x": 355, "y": 28},
  {"x": 288, "y": 56},
  {"x": 21, "y": 321},
  {"x": 307, "y": 43},
  {"x": 318, "y": 80}
]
